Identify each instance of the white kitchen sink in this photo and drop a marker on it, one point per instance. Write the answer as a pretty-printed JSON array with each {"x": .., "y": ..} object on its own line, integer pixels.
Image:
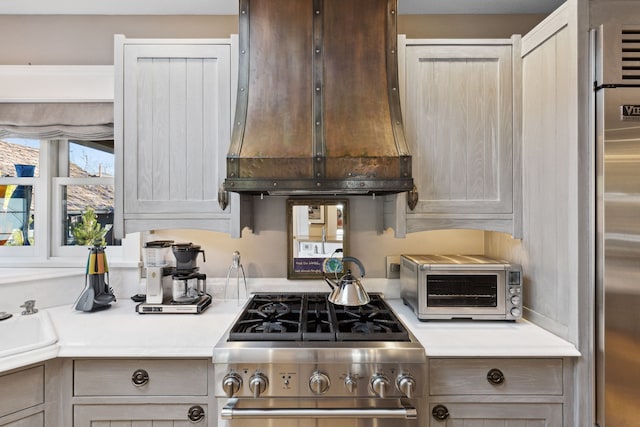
[{"x": 20, "y": 334}]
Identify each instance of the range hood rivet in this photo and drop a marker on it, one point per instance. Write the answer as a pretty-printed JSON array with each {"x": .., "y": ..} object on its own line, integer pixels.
[
  {"x": 318, "y": 184},
  {"x": 275, "y": 184},
  {"x": 317, "y": 50},
  {"x": 393, "y": 12},
  {"x": 244, "y": 12},
  {"x": 393, "y": 52},
  {"x": 243, "y": 51},
  {"x": 317, "y": 88},
  {"x": 317, "y": 12},
  {"x": 317, "y": 123},
  {"x": 242, "y": 89}
]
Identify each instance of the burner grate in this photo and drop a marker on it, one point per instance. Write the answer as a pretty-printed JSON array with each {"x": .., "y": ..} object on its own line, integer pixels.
[{"x": 311, "y": 317}]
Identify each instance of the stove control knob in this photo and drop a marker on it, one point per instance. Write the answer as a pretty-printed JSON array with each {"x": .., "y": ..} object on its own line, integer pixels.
[
  {"x": 379, "y": 384},
  {"x": 319, "y": 383},
  {"x": 406, "y": 385},
  {"x": 350, "y": 383},
  {"x": 231, "y": 384},
  {"x": 258, "y": 384}
]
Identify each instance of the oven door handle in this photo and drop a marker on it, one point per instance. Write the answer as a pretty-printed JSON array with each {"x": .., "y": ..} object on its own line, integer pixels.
[{"x": 230, "y": 412}]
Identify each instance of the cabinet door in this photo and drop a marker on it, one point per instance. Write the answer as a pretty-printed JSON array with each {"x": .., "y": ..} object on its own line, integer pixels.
[
  {"x": 176, "y": 127},
  {"x": 497, "y": 414},
  {"x": 143, "y": 415},
  {"x": 459, "y": 124}
]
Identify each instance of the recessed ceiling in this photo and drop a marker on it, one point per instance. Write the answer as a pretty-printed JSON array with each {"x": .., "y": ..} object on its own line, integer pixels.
[{"x": 230, "y": 7}]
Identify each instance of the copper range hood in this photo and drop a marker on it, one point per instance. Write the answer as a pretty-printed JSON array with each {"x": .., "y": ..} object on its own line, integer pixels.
[{"x": 318, "y": 108}]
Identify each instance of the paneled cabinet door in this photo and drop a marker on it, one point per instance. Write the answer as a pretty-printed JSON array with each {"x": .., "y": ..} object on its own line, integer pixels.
[
  {"x": 459, "y": 122},
  {"x": 174, "y": 111},
  {"x": 495, "y": 414},
  {"x": 142, "y": 415}
]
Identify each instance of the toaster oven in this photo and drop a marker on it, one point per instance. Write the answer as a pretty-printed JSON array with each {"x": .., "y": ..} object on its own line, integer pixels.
[{"x": 461, "y": 287}]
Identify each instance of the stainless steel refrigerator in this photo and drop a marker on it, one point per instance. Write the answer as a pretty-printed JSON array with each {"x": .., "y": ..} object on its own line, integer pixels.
[{"x": 617, "y": 127}]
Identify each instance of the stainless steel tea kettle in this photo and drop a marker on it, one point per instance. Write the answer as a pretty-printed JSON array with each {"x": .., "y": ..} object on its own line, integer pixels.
[{"x": 348, "y": 291}]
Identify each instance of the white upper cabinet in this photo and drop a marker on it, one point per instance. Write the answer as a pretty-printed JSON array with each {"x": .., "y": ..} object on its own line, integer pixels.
[
  {"x": 461, "y": 118},
  {"x": 173, "y": 109}
]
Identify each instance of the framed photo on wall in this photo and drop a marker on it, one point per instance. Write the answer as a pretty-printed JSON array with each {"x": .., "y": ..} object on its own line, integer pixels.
[{"x": 316, "y": 214}]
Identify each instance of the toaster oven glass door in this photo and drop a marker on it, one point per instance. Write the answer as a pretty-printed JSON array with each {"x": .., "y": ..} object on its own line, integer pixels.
[{"x": 465, "y": 294}]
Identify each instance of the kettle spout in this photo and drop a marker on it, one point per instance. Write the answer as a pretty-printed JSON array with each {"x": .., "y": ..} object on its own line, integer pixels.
[{"x": 331, "y": 283}]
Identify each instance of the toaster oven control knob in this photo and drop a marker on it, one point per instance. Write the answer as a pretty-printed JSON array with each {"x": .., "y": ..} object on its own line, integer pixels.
[
  {"x": 350, "y": 383},
  {"x": 515, "y": 300},
  {"x": 406, "y": 385},
  {"x": 258, "y": 384},
  {"x": 379, "y": 384},
  {"x": 319, "y": 383},
  {"x": 516, "y": 312},
  {"x": 231, "y": 384}
]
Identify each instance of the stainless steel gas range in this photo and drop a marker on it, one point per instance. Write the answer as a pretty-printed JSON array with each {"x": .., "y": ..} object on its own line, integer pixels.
[{"x": 300, "y": 360}]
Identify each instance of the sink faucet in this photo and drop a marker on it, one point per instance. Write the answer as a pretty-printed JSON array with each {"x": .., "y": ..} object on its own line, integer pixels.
[{"x": 29, "y": 307}]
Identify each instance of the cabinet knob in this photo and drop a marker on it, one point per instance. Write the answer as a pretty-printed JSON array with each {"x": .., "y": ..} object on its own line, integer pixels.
[
  {"x": 495, "y": 377},
  {"x": 140, "y": 377},
  {"x": 440, "y": 412},
  {"x": 195, "y": 414}
]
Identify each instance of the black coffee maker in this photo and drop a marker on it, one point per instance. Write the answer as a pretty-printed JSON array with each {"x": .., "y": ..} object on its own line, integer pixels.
[{"x": 188, "y": 284}]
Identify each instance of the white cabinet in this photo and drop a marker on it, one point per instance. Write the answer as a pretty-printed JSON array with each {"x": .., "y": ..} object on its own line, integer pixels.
[
  {"x": 22, "y": 398},
  {"x": 461, "y": 113},
  {"x": 144, "y": 392},
  {"x": 487, "y": 392},
  {"x": 173, "y": 112}
]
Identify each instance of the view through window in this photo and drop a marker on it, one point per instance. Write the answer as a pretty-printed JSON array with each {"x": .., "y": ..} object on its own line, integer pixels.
[{"x": 80, "y": 174}]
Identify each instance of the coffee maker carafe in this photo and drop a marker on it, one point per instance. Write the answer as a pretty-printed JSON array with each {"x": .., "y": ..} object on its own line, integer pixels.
[{"x": 188, "y": 288}]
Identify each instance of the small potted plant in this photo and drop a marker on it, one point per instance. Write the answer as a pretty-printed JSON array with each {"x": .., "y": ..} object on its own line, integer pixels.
[{"x": 88, "y": 231}]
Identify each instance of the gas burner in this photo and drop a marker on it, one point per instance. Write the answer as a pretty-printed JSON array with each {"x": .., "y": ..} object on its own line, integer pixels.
[
  {"x": 273, "y": 310},
  {"x": 269, "y": 327},
  {"x": 369, "y": 328}
]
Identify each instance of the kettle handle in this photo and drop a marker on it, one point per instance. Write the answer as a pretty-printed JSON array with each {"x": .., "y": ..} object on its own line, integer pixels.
[{"x": 355, "y": 261}]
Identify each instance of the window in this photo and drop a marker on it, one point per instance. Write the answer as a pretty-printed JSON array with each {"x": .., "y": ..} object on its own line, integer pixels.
[{"x": 51, "y": 189}]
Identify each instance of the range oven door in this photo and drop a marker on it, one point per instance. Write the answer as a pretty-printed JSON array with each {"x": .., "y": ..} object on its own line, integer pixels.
[{"x": 319, "y": 412}]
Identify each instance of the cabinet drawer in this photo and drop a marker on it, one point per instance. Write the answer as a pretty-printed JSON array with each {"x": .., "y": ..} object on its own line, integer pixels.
[
  {"x": 146, "y": 377},
  {"x": 21, "y": 390},
  {"x": 495, "y": 376}
]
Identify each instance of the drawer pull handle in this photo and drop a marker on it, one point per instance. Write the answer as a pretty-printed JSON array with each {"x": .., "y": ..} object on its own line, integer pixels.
[
  {"x": 495, "y": 377},
  {"x": 140, "y": 377},
  {"x": 196, "y": 414},
  {"x": 440, "y": 412}
]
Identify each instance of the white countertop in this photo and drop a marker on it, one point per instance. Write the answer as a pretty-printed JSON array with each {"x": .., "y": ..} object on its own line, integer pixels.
[
  {"x": 442, "y": 338},
  {"x": 121, "y": 332}
]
